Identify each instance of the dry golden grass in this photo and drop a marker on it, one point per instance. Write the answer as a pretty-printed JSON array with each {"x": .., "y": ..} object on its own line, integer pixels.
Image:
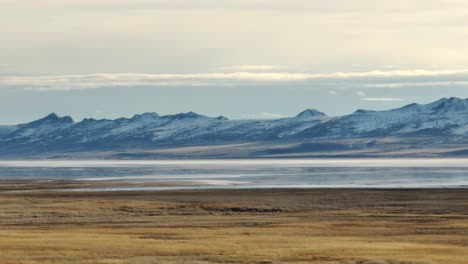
[{"x": 281, "y": 226}]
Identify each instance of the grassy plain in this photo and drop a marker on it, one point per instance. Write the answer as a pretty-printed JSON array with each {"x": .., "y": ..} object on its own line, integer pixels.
[{"x": 238, "y": 226}]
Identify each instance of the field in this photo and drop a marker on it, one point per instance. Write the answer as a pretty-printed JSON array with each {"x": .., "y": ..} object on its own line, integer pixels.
[{"x": 238, "y": 226}]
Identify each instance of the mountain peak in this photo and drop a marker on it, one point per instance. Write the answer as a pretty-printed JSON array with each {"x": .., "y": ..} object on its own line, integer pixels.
[
  {"x": 362, "y": 111},
  {"x": 310, "y": 113},
  {"x": 413, "y": 105},
  {"x": 146, "y": 117},
  {"x": 52, "y": 118},
  {"x": 452, "y": 104},
  {"x": 188, "y": 115},
  {"x": 88, "y": 120}
]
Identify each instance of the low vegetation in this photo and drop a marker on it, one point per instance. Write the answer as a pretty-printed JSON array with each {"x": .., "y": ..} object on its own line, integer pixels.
[{"x": 280, "y": 226}]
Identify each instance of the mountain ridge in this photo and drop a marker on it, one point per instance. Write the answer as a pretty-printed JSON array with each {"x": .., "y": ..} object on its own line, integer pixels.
[{"x": 445, "y": 120}]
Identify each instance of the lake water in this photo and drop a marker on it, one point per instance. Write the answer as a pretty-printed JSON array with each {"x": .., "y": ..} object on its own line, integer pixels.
[{"x": 218, "y": 174}]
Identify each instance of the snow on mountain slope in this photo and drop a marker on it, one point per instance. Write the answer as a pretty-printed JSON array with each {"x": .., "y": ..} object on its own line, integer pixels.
[
  {"x": 445, "y": 117},
  {"x": 310, "y": 114},
  {"x": 150, "y": 129},
  {"x": 47, "y": 128}
]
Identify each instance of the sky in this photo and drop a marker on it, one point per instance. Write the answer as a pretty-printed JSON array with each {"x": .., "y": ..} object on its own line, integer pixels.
[{"x": 237, "y": 58}]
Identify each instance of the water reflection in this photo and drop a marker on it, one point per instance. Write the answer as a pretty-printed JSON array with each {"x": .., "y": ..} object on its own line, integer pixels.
[{"x": 251, "y": 174}]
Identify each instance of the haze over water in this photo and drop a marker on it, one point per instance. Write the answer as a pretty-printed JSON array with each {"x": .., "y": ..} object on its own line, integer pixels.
[{"x": 272, "y": 173}]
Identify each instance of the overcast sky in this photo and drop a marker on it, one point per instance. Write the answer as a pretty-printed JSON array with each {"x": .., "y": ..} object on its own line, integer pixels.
[{"x": 238, "y": 58}]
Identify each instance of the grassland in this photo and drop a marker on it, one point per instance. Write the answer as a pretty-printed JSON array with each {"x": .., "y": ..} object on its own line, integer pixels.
[{"x": 241, "y": 226}]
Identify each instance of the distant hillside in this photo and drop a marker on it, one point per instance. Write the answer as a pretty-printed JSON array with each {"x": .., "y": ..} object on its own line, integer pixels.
[{"x": 436, "y": 129}]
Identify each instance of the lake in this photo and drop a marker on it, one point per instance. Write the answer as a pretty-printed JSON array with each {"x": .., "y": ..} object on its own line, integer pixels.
[{"x": 247, "y": 174}]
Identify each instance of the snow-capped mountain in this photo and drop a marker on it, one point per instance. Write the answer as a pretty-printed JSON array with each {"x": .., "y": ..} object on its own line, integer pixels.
[
  {"x": 443, "y": 118},
  {"x": 148, "y": 130}
]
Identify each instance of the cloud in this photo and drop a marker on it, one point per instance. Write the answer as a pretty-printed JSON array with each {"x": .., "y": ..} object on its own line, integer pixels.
[
  {"x": 361, "y": 93},
  {"x": 417, "y": 84},
  {"x": 106, "y": 36},
  {"x": 92, "y": 81},
  {"x": 252, "y": 68},
  {"x": 333, "y": 92},
  {"x": 381, "y": 99}
]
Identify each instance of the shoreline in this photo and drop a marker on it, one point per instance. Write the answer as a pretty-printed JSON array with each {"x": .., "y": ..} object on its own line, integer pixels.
[
  {"x": 116, "y": 186},
  {"x": 394, "y": 162}
]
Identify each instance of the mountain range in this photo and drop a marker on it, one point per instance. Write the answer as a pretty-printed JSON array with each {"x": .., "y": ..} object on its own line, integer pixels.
[{"x": 435, "y": 129}]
